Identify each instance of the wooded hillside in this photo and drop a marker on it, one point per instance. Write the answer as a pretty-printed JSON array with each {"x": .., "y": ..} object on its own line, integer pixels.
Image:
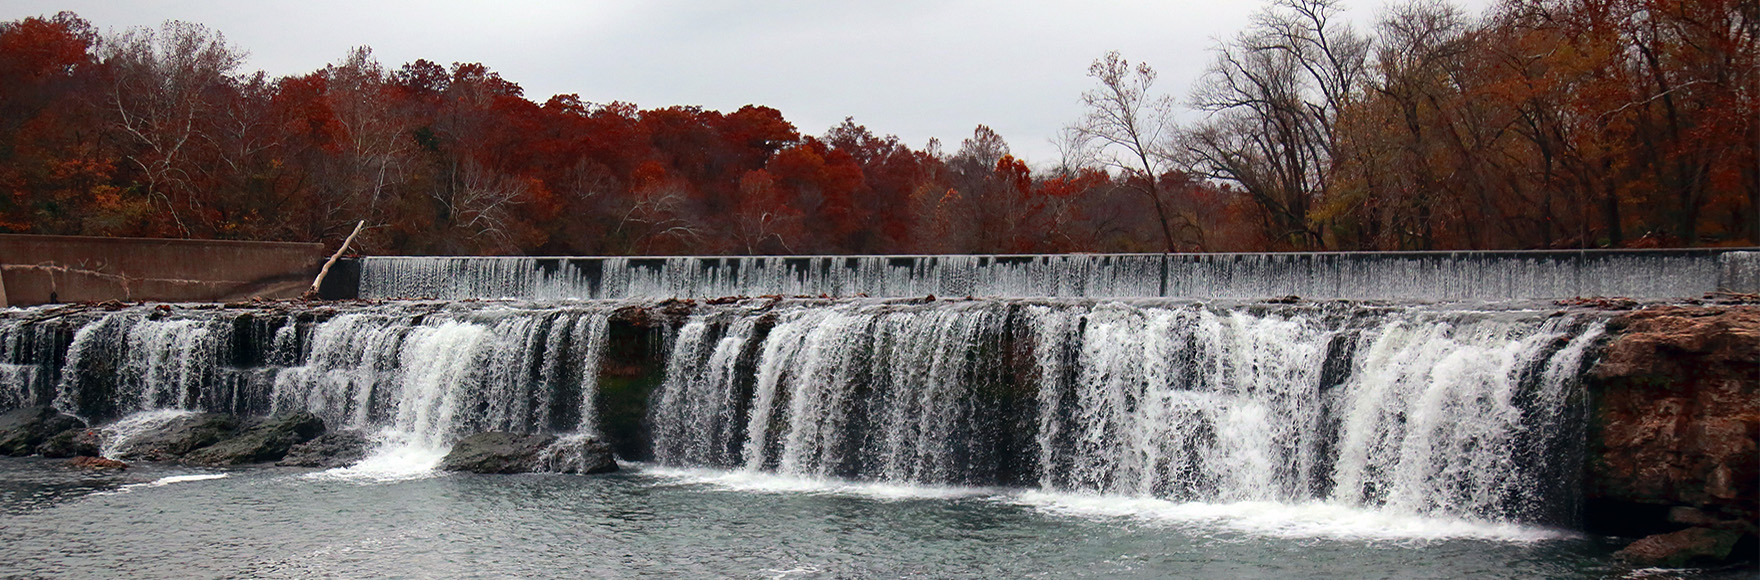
[{"x": 1540, "y": 124}]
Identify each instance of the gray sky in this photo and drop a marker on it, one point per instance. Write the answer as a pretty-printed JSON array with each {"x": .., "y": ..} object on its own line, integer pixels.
[{"x": 917, "y": 69}]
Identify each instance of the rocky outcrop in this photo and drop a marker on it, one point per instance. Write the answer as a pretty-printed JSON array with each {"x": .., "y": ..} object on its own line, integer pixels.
[
  {"x": 1675, "y": 430},
  {"x": 516, "y": 453},
  {"x": 327, "y": 451},
  {"x": 267, "y": 441},
  {"x": 23, "y": 430},
  {"x": 178, "y": 437},
  {"x": 79, "y": 442}
]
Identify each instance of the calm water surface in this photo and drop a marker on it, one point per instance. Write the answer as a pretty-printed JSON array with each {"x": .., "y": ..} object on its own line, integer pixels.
[{"x": 175, "y": 522}]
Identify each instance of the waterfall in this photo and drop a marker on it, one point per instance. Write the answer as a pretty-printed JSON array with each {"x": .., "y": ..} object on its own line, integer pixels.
[
  {"x": 419, "y": 375},
  {"x": 1465, "y": 411},
  {"x": 1409, "y": 409},
  {"x": 1480, "y": 276}
]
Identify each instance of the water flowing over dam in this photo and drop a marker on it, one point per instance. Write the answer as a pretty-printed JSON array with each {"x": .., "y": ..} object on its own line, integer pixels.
[
  {"x": 1478, "y": 276},
  {"x": 1457, "y": 412}
]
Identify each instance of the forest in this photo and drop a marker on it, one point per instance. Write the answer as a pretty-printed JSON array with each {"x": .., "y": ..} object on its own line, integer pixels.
[{"x": 1536, "y": 124}]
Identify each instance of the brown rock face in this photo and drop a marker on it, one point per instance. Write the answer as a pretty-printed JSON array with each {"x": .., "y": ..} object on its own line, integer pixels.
[
  {"x": 97, "y": 463},
  {"x": 1682, "y": 548},
  {"x": 1676, "y": 421}
]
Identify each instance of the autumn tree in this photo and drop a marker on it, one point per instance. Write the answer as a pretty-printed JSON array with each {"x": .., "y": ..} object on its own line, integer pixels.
[
  {"x": 1539, "y": 123},
  {"x": 161, "y": 97},
  {"x": 55, "y": 173},
  {"x": 1130, "y": 127},
  {"x": 763, "y": 221},
  {"x": 1274, "y": 94}
]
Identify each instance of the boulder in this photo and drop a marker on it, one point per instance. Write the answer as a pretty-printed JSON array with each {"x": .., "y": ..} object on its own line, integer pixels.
[
  {"x": 1679, "y": 549},
  {"x": 541, "y": 453},
  {"x": 266, "y": 441},
  {"x": 178, "y": 437},
  {"x": 330, "y": 450},
  {"x": 578, "y": 454},
  {"x": 23, "y": 430},
  {"x": 80, "y": 442},
  {"x": 497, "y": 453}
]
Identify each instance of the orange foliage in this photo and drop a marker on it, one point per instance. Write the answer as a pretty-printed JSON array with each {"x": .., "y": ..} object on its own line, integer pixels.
[{"x": 1550, "y": 123}]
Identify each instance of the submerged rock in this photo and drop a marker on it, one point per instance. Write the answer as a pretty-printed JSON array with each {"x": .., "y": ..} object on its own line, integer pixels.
[
  {"x": 23, "y": 430},
  {"x": 79, "y": 442},
  {"x": 1686, "y": 547},
  {"x": 178, "y": 437},
  {"x": 516, "y": 453},
  {"x": 330, "y": 450},
  {"x": 267, "y": 441},
  {"x": 97, "y": 463}
]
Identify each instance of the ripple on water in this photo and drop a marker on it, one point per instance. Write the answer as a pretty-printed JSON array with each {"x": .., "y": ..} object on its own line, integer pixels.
[{"x": 657, "y": 522}]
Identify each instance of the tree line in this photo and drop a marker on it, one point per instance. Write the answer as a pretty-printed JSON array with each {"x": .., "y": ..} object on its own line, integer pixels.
[{"x": 1538, "y": 124}]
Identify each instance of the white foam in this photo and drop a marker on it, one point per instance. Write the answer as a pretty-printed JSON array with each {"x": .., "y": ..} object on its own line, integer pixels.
[
  {"x": 1317, "y": 520},
  {"x": 780, "y": 574},
  {"x": 395, "y": 456},
  {"x": 1663, "y": 573},
  {"x": 164, "y": 481},
  {"x": 761, "y": 482}
]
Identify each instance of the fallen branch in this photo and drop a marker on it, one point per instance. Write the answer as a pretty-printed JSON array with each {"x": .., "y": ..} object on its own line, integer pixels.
[{"x": 313, "y": 293}]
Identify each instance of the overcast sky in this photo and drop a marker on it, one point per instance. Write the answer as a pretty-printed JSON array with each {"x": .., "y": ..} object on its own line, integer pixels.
[{"x": 916, "y": 69}]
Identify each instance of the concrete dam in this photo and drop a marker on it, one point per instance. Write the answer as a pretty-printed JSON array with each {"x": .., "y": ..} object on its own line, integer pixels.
[{"x": 1419, "y": 276}]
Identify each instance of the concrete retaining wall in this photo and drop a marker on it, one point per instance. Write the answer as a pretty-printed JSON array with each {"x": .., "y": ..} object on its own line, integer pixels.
[{"x": 41, "y": 269}]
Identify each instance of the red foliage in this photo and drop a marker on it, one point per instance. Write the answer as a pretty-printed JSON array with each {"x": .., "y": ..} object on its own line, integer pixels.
[{"x": 1631, "y": 128}]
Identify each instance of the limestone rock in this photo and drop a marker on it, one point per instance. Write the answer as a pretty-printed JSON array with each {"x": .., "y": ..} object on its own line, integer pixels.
[
  {"x": 178, "y": 437},
  {"x": 267, "y": 441},
  {"x": 1677, "y": 419},
  {"x": 1682, "y": 548},
  {"x": 23, "y": 430},
  {"x": 80, "y": 442},
  {"x": 97, "y": 463},
  {"x": 497, "y": 453},
  {"x": 578, "y": 454},
  {"x": 515, "y": 453},
  {"x": 330, "y": 450}
]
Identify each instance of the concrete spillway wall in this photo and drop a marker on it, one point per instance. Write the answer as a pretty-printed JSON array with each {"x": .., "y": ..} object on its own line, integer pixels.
[
  {"x": 41, "y": 269},
  {"x": 1488, "y": 276}
]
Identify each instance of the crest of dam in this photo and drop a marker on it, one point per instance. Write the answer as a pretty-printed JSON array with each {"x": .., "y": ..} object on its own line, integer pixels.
[
  {"x": 1452, "y": 276},
  {"x": 1462, "y": 411}
]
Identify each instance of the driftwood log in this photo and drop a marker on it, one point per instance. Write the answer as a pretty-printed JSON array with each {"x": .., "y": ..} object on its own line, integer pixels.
[{"x": 319, "y": 281}]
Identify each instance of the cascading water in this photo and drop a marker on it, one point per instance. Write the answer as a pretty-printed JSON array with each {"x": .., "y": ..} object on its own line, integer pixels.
[
  {"x": 1082, "y": 421},
  {"x": 1429, "y": 410},
  {"x": 1407, "y": 409},
  {"x": 417, "y": 375}
]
